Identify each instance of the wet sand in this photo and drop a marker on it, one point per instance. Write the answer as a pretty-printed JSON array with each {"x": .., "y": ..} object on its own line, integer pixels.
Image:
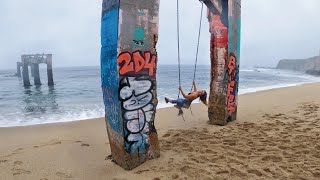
[{"x": 276, "y": 136}]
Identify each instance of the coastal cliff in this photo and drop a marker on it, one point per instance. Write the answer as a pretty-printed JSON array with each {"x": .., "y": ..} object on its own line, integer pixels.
[{"x": 310, "y": 65}]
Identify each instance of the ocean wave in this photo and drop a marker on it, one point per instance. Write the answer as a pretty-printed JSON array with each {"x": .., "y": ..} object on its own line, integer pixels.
[{"x": 73, "y": 100}]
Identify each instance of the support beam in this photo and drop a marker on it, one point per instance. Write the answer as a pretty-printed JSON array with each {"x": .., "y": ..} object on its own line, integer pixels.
[
  {"x": 19, "y": 69},
  {"x": 32, "y": 69},
  {"x": 25, "y": 74},
  {"x": 225, "y": 58},
  {"x": 129, "y": 36},
  {"x": 49, "y": 70},
  {"x": 36, "y": 76}
]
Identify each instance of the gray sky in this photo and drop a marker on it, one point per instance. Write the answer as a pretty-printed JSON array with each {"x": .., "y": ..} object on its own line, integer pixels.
[{"x": 70, "y": 29}]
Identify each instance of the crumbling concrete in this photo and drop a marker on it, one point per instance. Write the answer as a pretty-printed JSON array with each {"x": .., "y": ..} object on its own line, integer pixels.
[
  {"x": 128, "y": 70},
  {"x": 129, "y": 34},
  {"x": 33, "y": 60},
  {"x": 225, "y": 19}
]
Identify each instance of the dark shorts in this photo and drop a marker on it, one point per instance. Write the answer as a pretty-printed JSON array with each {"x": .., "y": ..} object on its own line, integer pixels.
[{"x": 183, "y": 103}]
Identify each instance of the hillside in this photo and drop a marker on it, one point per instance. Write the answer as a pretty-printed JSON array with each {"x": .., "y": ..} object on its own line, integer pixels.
[{"x": 310, "y": 65}]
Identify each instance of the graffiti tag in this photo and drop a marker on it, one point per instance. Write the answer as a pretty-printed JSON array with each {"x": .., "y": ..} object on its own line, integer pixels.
[
  {"x": 136, "y": 62},
  {"x": 136, "y": 95},
  {"x": 232, "y": 73}
]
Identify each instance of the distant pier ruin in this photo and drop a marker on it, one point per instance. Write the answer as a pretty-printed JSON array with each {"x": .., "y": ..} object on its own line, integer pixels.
[{"x": 33, "y": 60}]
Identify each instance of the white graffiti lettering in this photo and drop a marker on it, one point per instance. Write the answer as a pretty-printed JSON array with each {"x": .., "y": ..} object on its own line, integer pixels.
[{"x": 136, "y": 95}]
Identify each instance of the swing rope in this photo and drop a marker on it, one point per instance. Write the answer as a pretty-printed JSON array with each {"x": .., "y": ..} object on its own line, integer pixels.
[
  {"x": 178, "y": 36},
  {"x": 198, "y": 44},
  {"x": 199, "y": 35},
  {"x": 179, "y": 60}
]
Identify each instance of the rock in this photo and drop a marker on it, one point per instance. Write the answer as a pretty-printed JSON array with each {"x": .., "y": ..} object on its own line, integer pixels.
[{"x": 310, "y": 65}]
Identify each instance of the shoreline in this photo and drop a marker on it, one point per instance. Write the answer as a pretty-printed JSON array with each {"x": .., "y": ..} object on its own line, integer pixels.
[
  {"x": 274, "y": 132},
  {"x": 158, "y": 108}
]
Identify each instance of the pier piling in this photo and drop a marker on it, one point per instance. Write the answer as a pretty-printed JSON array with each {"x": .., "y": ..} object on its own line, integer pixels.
[
  {"x": 32, "y": 69},
  {"x": 49, "y": 70},
  {"x": 36, "y": 74},
  {"x": 130, "y": 94},
  {"x": 25, "y": 73},
  {"x": 19, "y": 69},
  {"x": 33, "y": 60}
]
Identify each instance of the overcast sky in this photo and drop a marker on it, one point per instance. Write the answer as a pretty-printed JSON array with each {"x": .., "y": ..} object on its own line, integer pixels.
[{"x": 70, "y": 30}]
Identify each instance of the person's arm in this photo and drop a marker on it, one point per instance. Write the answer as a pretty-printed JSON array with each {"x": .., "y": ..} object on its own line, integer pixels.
[
  {"x": 183, "y": 94},
  {"x": 195, "y": 87},
  {"x": 189, "y": 97}
]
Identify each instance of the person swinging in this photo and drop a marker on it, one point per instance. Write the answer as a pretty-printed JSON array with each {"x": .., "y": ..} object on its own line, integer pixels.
[{"x": 187, "y": 100}]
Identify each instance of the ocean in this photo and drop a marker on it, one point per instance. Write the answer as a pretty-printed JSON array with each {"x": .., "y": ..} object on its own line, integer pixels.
[{"x": 77, "y": 94}]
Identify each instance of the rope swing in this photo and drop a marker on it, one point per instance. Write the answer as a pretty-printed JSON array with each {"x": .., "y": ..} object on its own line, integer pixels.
[
  {"x": 178, "y": 40},
  {"x": 178, "y": 47},
  {"x": 199, "y": 35}
]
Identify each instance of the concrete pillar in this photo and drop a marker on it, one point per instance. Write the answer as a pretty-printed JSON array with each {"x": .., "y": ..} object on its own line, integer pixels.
[
  {"x": 49, "y": 70},
  {"x": 224, "y": 18},
  {"x": 36, "y": 72},
  {"x": 18, "y": 69},
  {"x": 129, "y": 34},
  {"x": 25, "y": 74},
  {"x": 32, "y": 69}
]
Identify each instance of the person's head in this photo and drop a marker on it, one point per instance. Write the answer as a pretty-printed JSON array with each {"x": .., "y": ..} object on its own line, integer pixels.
[{"x": 203, "y": 96}]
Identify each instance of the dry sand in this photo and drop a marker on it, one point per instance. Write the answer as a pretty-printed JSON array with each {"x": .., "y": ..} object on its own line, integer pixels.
[{"x": 276, "y": 136}]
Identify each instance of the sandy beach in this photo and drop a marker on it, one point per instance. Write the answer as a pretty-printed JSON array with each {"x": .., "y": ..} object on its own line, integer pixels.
[{"x": 276, "y": 136}]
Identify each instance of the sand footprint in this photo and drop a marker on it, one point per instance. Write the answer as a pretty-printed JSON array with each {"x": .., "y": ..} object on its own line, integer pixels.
[
  {"x": 56, "y": 142},
  {"x": 17, "y": 163},
  {"x": 254, "y": 171},
  {"x": 142, "y": 171},
  {"x": 223, "y": 172},
  {"x": 14, "y": 152},
  {"x": 20, "y": 172},
  {"x": 166, "y": 135},
  {"x": 175, "y": 176},
  {"x": 63, "y": 175},
  {"x": 53, "y": 142},
  {"x": 3, "y": 161},
  {"x": 50, "y": 143},
  {"x": 316, "y": 174},
  {"x": 272, "y": 158}
]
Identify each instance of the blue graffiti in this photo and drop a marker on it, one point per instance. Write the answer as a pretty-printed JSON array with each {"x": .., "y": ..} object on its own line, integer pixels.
[{"x": 109, "y": 68}]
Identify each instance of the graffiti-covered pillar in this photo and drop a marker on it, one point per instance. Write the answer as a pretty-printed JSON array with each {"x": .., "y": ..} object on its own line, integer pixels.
[
  {"x": 225, "y": 18},
  {"x": 129, "y": 33}
]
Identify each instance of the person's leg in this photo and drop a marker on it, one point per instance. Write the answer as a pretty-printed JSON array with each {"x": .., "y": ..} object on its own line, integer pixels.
[
  {"x": 170, "y": 100},
  {"x": 174, "y": 101},
  {"x": 180, "y": 112}
]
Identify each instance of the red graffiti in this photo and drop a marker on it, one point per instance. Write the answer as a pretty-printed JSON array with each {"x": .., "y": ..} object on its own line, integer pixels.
[
  {"x": 232, "y": 72},
  {"x": 219, "y": 32},
  {"x": 137, "y": 62}
]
